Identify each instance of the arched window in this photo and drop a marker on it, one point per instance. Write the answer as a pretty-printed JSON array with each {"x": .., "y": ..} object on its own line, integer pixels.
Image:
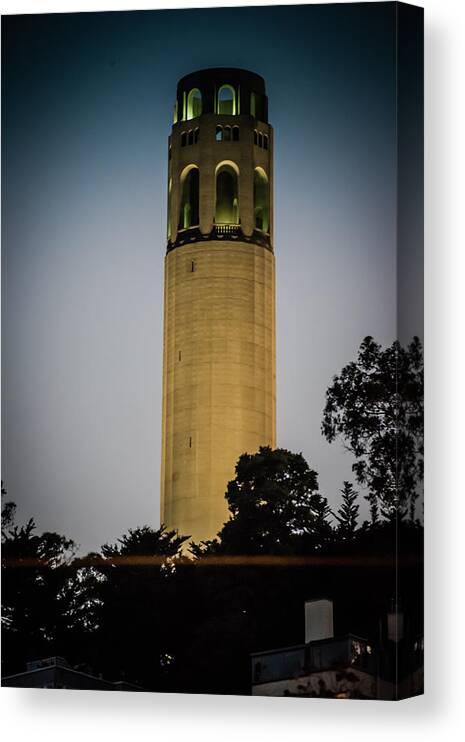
[
  {"x": 169, "y": 210},
  {"x": 194, "y": 104},
  {"x": 189, "y": 211},
  {"x": 227, "y": 196},
  {"x": 227, "y": 100},
  {"x": 196, "y": 135},
  {"x": 260, "y": 139},
  {"x": 227, "y": 134},
  {"x": 190, "y": 138},
  {"x": 175, "y": 113},
  {"x": 253, "y": 104},
  {"x": 265, "y": 141},
  {"x": 183, "y": 138},
  {"x": 257, "y": 106},
  {"x": 235, "y": 133},
  {"x": 261, "y": 200}
]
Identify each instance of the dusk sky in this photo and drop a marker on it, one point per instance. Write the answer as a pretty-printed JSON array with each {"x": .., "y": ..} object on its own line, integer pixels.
[{"x": 87, "y": 110}]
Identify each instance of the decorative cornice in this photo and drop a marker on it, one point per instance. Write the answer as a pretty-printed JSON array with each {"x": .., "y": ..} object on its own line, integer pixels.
[{"x": 228, "y": 232}]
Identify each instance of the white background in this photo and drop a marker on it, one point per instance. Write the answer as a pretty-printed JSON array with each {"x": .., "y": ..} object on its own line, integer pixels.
[{"x": 76, "y": 715}]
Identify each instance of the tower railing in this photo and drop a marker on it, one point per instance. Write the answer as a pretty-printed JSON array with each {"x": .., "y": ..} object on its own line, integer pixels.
[{"x": 227, "y": 230}]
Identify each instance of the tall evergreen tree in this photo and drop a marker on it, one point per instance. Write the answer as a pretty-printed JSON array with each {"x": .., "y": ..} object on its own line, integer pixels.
[{"x": 347, "y": 514}]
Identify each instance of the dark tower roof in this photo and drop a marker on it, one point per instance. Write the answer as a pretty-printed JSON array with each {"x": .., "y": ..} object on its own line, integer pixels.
[
  {"x": 210, "y": 80},
  {"x": 222, "y": 76}
]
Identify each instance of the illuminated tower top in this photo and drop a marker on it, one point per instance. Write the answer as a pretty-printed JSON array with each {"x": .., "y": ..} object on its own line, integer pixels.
[{"x": 220, "y": 160}]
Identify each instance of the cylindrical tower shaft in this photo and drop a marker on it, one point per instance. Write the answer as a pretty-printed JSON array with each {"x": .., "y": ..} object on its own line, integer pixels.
[{"x": 219, "y": 362}]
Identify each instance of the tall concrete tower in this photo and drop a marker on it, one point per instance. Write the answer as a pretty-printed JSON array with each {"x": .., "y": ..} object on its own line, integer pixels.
[{"x": 219, "y": 391}]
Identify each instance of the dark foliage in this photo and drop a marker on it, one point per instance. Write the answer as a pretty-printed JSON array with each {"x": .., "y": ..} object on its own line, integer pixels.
[
  {"x": 347, "y": 515},
  {"x": 8, "y": 511},
  {"x": 133, "y": 636},
  {"x": 275, "y": 506},
  {"x": 376, "y": 406},
  {"x": 36, "y": 595}
]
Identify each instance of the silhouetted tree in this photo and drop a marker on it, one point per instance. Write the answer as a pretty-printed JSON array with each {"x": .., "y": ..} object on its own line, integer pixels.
[
  {"x": 275, "y": 506},
  {"x": 35, "y": 579},
  {"x": 347, "y": 514},
  {"x": 145, "y": 546},
  {"x": 137, "y": 615},
  {"x": 376, "y": 406},
  {"x": 8, "y": 511}
]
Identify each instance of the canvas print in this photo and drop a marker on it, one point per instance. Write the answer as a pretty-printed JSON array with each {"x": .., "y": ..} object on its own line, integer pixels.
[{"x": 212, "y": 351}]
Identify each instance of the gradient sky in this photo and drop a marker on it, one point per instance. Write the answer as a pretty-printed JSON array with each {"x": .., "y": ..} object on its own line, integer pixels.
[{"x": 87, "y": 109}]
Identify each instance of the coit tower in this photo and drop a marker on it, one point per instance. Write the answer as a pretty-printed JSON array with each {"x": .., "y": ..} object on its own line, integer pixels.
[{"x": 219, "y": 358}]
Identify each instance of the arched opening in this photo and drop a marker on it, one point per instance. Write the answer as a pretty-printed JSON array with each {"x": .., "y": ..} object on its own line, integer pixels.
[
  {"x": 168, "y": 230},
  {"x": 235, "y": 133},
  {"x": 257, "y": 106},
  {"x": 175, "y": 113},
  {"x": 227, "y": 196},
  {"x": 227, "y": 134},
  {"x": 219, "y": 134},
  {"x": 189, "y": 211},
  {"x": 227, "y": 100},
  {"x": 261, "y": 200},
  {"x": 253, "y": 104},
  {"x": 194, "y": 104}
]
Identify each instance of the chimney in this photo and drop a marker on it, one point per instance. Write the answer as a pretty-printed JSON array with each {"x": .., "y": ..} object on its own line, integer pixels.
[
  {"x": 395, "y": 623},
  {"x": 318, "y": 620}
]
